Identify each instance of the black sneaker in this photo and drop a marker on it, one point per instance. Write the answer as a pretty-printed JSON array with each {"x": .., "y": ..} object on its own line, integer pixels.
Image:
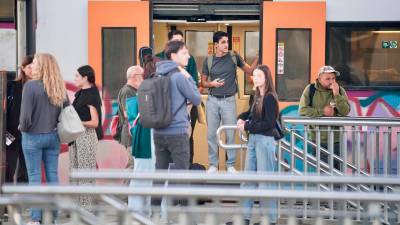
[{"x": 245, "y": 222}]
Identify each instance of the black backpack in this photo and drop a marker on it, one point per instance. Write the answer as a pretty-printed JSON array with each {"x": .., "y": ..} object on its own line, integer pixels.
[{"x": 154, "y": 101}]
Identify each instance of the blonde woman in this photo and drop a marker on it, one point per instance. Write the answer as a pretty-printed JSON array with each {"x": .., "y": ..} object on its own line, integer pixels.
[{"x": 42, "y": 100}]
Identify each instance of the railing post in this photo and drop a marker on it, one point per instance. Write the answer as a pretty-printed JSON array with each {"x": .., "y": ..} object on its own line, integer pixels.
[
  {"x": 305, "y": 166},
  {"x": 330, "y": 149},
  {"x": 3, "y": 109},
  {"x": 318, "y": 155},
  {"x": 377, "y": 156},
  {"x": 386, "y": 153},
  {"x": 358, "y": 165},
  {"x": 365, "y": 141},
  {"x": 330, "y": 162},
  {"x": 353, "y": 147},
  {"x": 318, "y": 148},
  {"x": 398, "y": 154},
  {"x": 398, "y": 170},
  {"x": 292, "y": 143},
  {"x": 390, "y": 172}
]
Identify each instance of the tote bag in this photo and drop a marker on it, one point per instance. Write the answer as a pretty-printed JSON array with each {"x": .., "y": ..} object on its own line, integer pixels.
[
  {"x": 69, "y": 125},
  {"x": 201, "y": 115}
]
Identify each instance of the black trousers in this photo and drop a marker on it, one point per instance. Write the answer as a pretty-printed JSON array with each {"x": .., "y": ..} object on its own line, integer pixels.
[
  {"x": 193, "y": 120},
  {"x": 13, "y": 154}
]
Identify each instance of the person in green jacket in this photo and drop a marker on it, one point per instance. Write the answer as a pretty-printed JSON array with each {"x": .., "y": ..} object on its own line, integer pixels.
[
  {"x": 143, "y": 152},
  {"x": 191, "y": 68},
  {"x": 327, "y": 99}
]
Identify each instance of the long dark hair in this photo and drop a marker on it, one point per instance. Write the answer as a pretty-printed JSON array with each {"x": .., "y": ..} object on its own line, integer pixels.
[
  {"x": 22, "y": 76},
  {"x": 88, "y": 71},
  {"x": 269, "y": 89}
]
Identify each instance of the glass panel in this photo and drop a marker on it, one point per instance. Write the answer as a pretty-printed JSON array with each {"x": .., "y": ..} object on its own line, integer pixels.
[
  {"x": 293, "y": 50},
  {"x": 119, "y": 53},
  {"x": 251, "y": 48},
  {"x": 196, "y": 42},
  {"x": 7, "y": 10},
  {"x": 366, "y": 56}
]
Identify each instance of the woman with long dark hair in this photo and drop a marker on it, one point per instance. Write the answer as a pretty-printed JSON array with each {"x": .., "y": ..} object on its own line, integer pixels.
[
  {"x": 260, "y": 121},
  {"x": 87, "y": 103},
  {"x": 14, "y": 152}
]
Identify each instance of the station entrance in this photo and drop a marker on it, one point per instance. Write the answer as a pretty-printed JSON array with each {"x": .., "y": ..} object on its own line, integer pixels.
[{"x": 198, "y": 23}]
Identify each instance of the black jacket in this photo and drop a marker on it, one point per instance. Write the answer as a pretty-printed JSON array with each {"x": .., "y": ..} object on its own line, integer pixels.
[
  {"x": 264, "y": 123},
  {"x": 14, "y": 96}
]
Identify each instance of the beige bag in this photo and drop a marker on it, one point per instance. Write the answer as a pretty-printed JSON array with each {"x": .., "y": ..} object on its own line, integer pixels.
[
  {"x": 69, "y": 125},
  {"x": 201, "y": 115}
]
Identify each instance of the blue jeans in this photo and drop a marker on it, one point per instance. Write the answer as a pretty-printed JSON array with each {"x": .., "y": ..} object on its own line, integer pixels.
[
  {"x": 38, "y": 148},
  {"x": 260, "y": 157},
  {"x": 142, "y": 204},
  {"x": 220, "y": 110}
]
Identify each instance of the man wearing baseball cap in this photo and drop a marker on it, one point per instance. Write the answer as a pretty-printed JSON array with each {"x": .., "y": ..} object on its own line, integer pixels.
[{"x": 325, "y": 98}]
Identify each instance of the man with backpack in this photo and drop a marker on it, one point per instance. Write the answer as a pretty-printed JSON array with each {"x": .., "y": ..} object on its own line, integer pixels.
[
  {"x": 171, "y": 140},
  {"x": 325, "y": 98},
  {"x": 134, "y": 76},
  {"x": 219, "y": 75},
  {"x": 191, "y": 68}
]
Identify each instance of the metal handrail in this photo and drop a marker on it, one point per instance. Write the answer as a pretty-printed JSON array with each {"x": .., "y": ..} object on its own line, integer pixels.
[
  {"x": 229, "y": 146},
  {"x": 192, "y": 176},
  {"x": 343, "y": 121},
  {"x": 201, "y": 192}
]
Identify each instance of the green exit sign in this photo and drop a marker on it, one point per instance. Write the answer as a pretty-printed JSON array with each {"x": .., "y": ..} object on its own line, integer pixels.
[{"x": 389, "y": 44}]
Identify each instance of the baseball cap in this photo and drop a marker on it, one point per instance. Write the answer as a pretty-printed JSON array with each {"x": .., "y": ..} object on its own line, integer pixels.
[{"x": 328, "y": 69}]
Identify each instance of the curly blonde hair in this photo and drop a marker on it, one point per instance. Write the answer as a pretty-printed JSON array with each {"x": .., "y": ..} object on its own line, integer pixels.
[{"x": 47, "y": 70}]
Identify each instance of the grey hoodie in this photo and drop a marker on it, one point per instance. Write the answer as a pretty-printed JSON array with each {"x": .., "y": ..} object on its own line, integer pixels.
[{"x": 182, "y": 90}]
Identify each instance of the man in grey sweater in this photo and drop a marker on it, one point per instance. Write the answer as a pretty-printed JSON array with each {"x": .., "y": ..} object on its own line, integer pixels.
[{"x": 172, "y": 143}]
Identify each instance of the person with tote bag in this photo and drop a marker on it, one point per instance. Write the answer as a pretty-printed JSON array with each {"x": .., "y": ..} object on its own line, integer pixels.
[
  {"x": 42, "y": 100},
  {"x": 82, "y": 152}
]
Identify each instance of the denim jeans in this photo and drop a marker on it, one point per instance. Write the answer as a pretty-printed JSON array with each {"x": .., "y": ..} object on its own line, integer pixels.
[
  {"x": 260, "y": 157},
  {"x": 220, "y": 110},
  {"x": 142, "y": 204},
  {"x": 38, "y": 148}
]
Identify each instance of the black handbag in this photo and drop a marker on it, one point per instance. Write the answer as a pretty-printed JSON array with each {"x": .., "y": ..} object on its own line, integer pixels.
[{"x": 279, "y": 129}]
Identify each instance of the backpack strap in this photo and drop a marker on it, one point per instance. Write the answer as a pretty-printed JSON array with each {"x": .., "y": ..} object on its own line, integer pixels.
[
  {"x": 311, "y": 93},
  {"x": 234, "y": 60},
  {"x": 183, "y": 103},
  {"x": 210, "y": 59},
  {"x": 233, "y": 57}
]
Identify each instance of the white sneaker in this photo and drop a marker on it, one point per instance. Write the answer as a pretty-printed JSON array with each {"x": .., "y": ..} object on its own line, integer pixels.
[
  {"x": 232, "y": 169},
  {"x": 33, "y": 223},
  {"x": 212, "y": 169}
]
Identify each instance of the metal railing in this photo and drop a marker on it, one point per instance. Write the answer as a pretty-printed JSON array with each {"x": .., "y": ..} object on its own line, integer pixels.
[
  {"x": 367, "y": 147},
  {"x": 288, "y": 213}
]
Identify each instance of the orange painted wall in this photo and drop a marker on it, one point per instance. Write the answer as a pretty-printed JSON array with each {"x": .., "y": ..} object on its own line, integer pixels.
[
  {"x": 115, "y": 14},
  {"x": 294, "y": 15}
]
